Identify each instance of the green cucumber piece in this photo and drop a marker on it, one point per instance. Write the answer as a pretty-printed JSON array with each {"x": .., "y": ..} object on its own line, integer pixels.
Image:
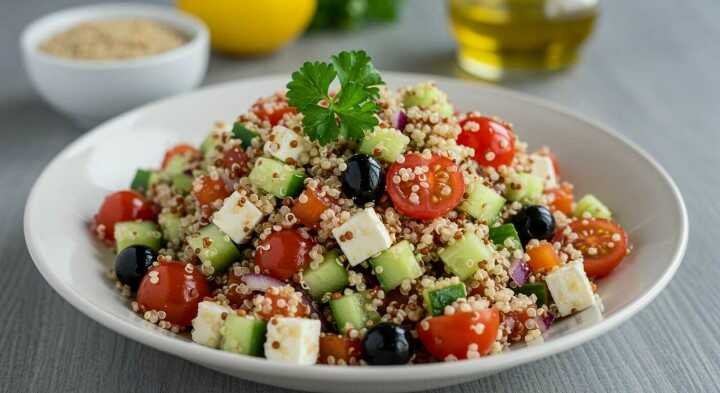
[
  {"x": 210, "y": 143},
  {"x": 524, "y": 187},
  {"x": 244, "y": 335},
  {"x": 591, "y": 205},
  {"x": 396, "y": 264},
  {"x": 329, "y": 276},
  {"x": 171, "y": 228},
  {"x": 137, "y": 233},
  {"x": 245, "y": 135},
  {"x": 386, "y": 144},
  {"x": 424, "y": 95},
  {"x": 277, "y": 178},
  {"x": 182, "y": 183},
  {"x": 178, "y": 164},
  {"x": 215, "y": 248},
  {"x": 500, "y": 235},
  {"x": 437, "y": 299},
  {"x": 143, "y": 179},
  {"x": 349, "y": 312},
  {"x": 539, "y": 289},
  {"x": 483, "y": 203},
  {"x": 462, "y": 257}
]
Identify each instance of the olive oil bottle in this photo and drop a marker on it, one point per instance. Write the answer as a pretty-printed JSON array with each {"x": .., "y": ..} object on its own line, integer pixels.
[{"x": 499, "y": 38}]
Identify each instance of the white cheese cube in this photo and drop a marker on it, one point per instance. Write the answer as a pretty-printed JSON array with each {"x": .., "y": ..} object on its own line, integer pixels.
[
  {"x": 237, "y": 217},
  {"x": 284, "y": 143},
  {"x": 362, "y": 236},
  {"x": 570, "y": 288},
  {"x": 542, "y": 167},
  {"x": 207, "y": 324},
  {"x": 293, "y": 340}
]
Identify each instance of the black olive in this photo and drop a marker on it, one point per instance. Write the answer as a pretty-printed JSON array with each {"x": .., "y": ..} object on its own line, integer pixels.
[
  {"x": 132, "y": 263},
  {"x": 534, "y": 222},
  {"x": 387, "y": 344},
  {"x": 363, "y": 180}
]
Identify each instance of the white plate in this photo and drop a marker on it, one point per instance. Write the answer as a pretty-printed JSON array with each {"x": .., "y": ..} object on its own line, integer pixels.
[{"x": 644, "y": 198}]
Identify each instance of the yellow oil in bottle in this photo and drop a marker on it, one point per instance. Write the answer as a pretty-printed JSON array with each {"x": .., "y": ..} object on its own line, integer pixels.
[{"x": 497, "y": 38}]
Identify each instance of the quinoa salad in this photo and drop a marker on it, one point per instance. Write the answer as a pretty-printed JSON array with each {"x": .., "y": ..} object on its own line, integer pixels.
[{"x": 340, "y": 222}]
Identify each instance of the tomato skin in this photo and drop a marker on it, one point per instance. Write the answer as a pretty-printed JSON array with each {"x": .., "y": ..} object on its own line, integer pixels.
[
  {"x": 208, "y": 190},
  {"x": 283, "y": 253},
  {"x": 235, "y": 160},
  {"x": 599, "y": 233},
  {"x": 308, "y": 207},
  {"x": 543, "y": 258},
  {"x": 433, "y": 201},
  {"x": 284, "y": 294},
  {"x": 176, "y": 292},
  {"x": 562, "y": 198},
  {"x": 121, "y": 206},
  {"x": 340, "y": 348},
  {"x": 181, "y": 149},
  {"x": 488, "y": 135},
  {"x": 452, "y": 334},
  {"x": 273, "y": 111}
]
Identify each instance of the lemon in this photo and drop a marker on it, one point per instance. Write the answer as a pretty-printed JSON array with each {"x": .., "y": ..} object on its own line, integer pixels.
[{"x": 251, "y": 27}]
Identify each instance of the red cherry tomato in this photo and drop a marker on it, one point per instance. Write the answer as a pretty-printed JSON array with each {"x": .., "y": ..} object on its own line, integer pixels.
[
  {"x": 453, "y": 335},
  {"x": 283, "y": 253},
  {"x": 171, "y": 288},
  {"x": 561, "y": 198},
  {"x": 603, "y": 244},
  {"x": 428, "y": 195},
  {"x": 515, "y": 321},
  {"x": 235, "y": 160},
  {"x": 283, "y": 302},
  {"x": 180, "y": 150},
  {"x": 121, "y": 206},
  {"x": 272, "y": 110},
  {"x": 334, "y": 348},
  {"x": 493, "y": 140},
  {"x": 308, "y": 207},
  {"x": 208, "y": 190}
]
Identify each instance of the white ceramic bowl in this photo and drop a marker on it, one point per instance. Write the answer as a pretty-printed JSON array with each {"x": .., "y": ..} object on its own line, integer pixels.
[
  {"x": 597, "y": 160},
  {"x": 93, "y": 91}
]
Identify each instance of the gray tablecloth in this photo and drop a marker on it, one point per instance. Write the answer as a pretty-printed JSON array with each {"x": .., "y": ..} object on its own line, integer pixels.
[{"x": 650, "y": 71}]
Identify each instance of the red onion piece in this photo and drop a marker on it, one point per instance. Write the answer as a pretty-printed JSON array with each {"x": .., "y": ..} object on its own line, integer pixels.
[
  {"x": 399, "y": 120},
  {"x": 519, "y": 272},
  {"x": 544, "y": 322},
  {"x": 261, "y": 282}
]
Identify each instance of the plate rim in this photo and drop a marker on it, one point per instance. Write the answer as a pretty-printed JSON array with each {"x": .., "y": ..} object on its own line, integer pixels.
[{"x": 259, "y": 366}]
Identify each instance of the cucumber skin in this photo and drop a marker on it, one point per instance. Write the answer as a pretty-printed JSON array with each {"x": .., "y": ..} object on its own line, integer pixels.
[
  {"x": 590, "y": 204},
  {"x": 398, "y": 263},
  {"x": 469, "y": 248},
  {"x": 391, "y": 143},
  {"x": 177, "y": 165},
  {"x": 137, "y": 233},
  {"x": 245, "y": 135},
  {"x": 243, "y": 335},
  {"x": 182, "y": 183},
  {"x": 171, "y": 227},
  {"x": 349, "y": 309},
  {"x": 498, "y": 235},
  {"x": 293, "y": 178},
  {"x": 221, "y": 253},
  {"x": 437, "y": 299},
  {"x": 142, "y": 180},
  {"x": 540, "y": 290},
  {"x": 483, "y": 203},
  {"x": 329, "y": 276}
]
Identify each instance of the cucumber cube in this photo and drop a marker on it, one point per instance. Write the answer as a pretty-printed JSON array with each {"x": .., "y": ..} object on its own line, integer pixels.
[
  {"x": 210, "y": 143},
  {"x": 462, "y": 257},
  {"x": 591, "y": 205},
  {"x": 483, "y": 203},
  {"x": 539, "y": 289},
  {"x": 214, "y": 248},
  {"x": 277, "y": 178},
  {"x": 329, "y": 276},
  {"x": 245, "y": 135},
  {"x": 171, "y": 228},
  {"x": 244, "y": 335},
  {"x": 437, "y": 299},
  {"x": 349, "y": 312},
  {"x": 137, "y": 233},
  {"x": 505, "y": 236},
  {"x": 386, "y": 144},
  {"x": 396, "y": 264},
  {"x": 524, "y": 187},
  {"x": 182, "y": 183},
  {"x": 143, "y": 180},
  {"x": 424, "y": 95},
  {"x": 177, "y": 165}
]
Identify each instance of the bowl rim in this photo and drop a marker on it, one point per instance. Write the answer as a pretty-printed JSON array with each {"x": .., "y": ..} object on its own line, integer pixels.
[
  {"x": 220, "y": 360},
  {"x": 37, "y": 31}
]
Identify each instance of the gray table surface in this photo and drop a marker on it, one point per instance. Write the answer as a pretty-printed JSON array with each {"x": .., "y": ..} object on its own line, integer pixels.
[{"x": 650, "y": 71}]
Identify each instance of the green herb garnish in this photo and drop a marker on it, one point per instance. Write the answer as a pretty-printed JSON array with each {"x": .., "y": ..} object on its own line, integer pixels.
[{"x": 348, "y": 113}]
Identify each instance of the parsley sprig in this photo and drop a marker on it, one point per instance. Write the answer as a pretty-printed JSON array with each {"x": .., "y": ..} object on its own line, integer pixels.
[{"x": 348, "y": 113}]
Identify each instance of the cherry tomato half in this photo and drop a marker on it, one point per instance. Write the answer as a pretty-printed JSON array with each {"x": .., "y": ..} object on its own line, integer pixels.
[
  {"x": 235, "y": 160},
  {"x": 171, "y": 288},
  {"x": 561, "y": 198},
  {"x": 121, "y": 206},
  {"x": 283, "y": 253},
  {"x": 453, "y": 334},
  {"x": 425, "y": 196},
  {"x": 282, "y": 301},
  {"x": 272, "y": 110},
  {"x": 493, "y": 140},
  {"x": 208, "y": 190},
  {"x": 308, "y": 207},
  {"x": 180, "y": 150},
  {"x": 334, "y": 348},
  {"x": 603, "y": 244}
]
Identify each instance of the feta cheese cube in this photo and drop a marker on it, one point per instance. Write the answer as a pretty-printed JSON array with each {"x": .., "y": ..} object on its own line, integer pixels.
[
  {"x": 570, "y": 288},
  {"x": 293, "y": 340},
  {"x": 284, "y": 143},
  {"x": 207, "y": 324},
  {"x": 362, "y": 236},
  {"x": 542, "y": 167},
  {"x": 237, "y": 217}
]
